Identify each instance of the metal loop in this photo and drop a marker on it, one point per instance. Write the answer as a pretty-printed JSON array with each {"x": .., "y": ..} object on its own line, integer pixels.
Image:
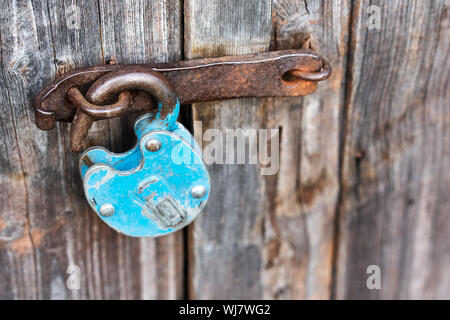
[
  {"x": 107, "y": 87},
  {"x": 130, "y": 78},
  {"x": 100, "y": 112},
  {"x": 323, "y": 74}
]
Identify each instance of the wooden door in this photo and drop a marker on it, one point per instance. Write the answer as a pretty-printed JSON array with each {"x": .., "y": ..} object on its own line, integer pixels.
[{"x": 362, "y": 180}]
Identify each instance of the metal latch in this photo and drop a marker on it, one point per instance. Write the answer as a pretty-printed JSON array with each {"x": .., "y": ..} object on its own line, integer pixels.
[
  {"x": 271, "y": 74},
  {"x": 147, "y": 191}
]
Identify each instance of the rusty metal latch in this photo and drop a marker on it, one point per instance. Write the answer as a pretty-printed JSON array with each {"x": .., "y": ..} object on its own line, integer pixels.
[
  {"x": 271, "y": 74},
  {"x": 162, "y": 184}
]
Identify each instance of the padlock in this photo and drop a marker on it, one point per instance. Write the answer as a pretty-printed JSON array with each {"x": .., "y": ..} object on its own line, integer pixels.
[{"x": 159, "y": 186}]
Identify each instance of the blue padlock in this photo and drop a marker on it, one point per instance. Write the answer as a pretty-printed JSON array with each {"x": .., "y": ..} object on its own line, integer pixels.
[{"x": 158, "y": 187}]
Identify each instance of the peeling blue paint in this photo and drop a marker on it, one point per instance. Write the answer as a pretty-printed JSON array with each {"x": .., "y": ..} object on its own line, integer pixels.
[{"x": 149, "y": 190}]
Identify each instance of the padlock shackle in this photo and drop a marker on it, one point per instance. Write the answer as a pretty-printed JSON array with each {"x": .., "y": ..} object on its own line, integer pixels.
[
  {"x": 117, "y": 82},
  {"x": 134, "y": 78}
]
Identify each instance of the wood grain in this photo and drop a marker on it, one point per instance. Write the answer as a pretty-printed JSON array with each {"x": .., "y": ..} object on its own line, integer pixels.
[
  {"x": 226, "y": 241},
  {"x": 362, "y": 177},
  {"x": 300, "y": 201},
  {"x": 270, "y": 236},
  {"x": 395, "y": 210},
  {"x": 45, "y": 223},
  {"x": 138, "y": 32}
]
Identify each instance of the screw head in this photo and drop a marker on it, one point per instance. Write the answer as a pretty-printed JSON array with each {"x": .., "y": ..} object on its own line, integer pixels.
[
  {"x": 153, "y": 145},
  {"x": 198, "y": 191},
  {"x": 107, "y": 210}
]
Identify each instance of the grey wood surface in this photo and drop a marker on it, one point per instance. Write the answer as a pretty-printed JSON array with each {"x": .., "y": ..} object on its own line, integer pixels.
[
  {"x": 274, "y": 238},
  {"x": 226, "y": 243},
  {"x": 45, "y": 223},
  {"x": 362, "y": 178},
  {"x": 301, "y": 199},
  {"x": 395, "y": 208}
]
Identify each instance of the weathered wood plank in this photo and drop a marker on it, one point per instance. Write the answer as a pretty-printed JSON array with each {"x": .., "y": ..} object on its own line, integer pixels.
[
  {"x": 45, "y": 223},
  {"x": 270, "y": 236},
  {"x": 301, "y": 199},
  {"x": 226, "y": 241},
  {"x": 396, "y": 210},
  {"x": 138, "y": 32},
  {"x": 261, "y": 236}
]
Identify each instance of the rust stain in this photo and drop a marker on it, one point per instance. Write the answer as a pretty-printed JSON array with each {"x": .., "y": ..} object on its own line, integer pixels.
[
  {"x": 2, "y": 224},
  {"x": 19, "y": 176},
  {"x": 335, "y": 80},
  {"x": 316, "y": 21},
  {"x": 63, "y": 66},
  {"x": 33, "y": 239},
  {"x": 311, "y": 188},
  {"x": 113, "y": 60},
  {"x": 273, "y": 251},
  {"x": 24, "y": 69},
  {"x": 25, "y": 244}
]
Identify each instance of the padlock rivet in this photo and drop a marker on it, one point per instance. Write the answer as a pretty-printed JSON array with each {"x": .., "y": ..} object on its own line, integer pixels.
[
  {"x": 198, "y": 191},
  {"x": 107, "y": 210},
  {"x": 153, "y": 145}
]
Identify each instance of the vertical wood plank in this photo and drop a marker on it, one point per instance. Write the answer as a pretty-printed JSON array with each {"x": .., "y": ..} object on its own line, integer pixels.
[
  {"x": 270, "y": 236},
  {"x": 300, "y": 201},
  {"x": 142, "y": 32},
  {"x": 395, "y": 211},
  {"x": 226, "y": 241},
  {"x": 45, "y": 223},
  {"x": 21, "y": 49},
  {"x": 261, "y": 236}
]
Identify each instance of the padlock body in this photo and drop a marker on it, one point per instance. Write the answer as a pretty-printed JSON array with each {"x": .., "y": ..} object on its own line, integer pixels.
[{"x": 147, "y": 193}]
